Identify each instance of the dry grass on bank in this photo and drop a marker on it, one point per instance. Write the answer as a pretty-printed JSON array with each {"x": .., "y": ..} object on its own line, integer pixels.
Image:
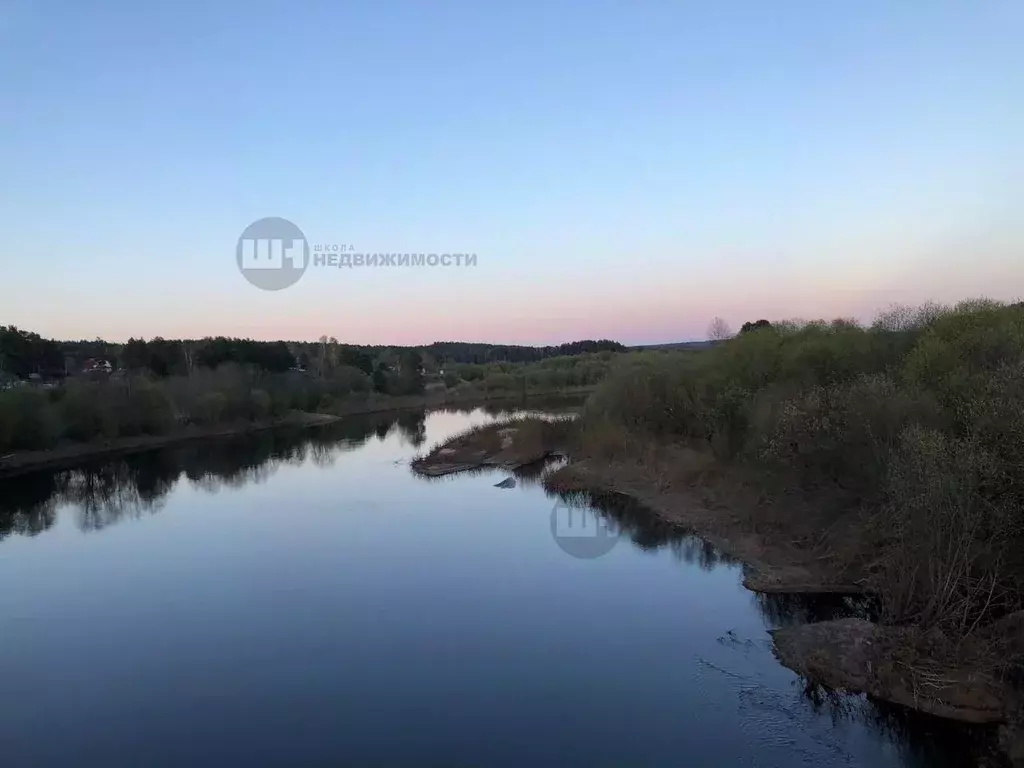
[{"x": 509, "y": 443}]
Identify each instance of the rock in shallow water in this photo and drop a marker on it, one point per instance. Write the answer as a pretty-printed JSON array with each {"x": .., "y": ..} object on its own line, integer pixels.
[
  {"x": 860, "y": 656},
  {"x": 509, "y": 482}
]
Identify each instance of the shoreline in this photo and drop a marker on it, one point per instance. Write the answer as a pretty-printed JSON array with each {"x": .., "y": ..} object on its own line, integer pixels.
[
  {"x": 404, "y": 402},
  {"x": 901, "y": 665},
  {"x": 896, "y": 664},
  {"x": 63, "y": 457},
  {"x": 769, "y": 567},
  {"x": 72, "y": 454}
]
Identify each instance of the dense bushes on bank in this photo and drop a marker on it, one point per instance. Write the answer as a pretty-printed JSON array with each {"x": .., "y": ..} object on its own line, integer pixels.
[
  {"x": 83, "y": 410},
  {"x": 554, "y": 373},
  {"x": 914, "y": 427},
  {"x": 131, "y": 405}
]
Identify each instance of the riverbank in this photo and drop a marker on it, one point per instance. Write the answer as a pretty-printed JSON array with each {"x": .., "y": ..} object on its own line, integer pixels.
[
  {"x": 440, "y": 399},
  {"x": 965, "y": 681},
  {"x": 691, "y": 489},
  {"x": 697, "y": 496},
  {"x": 772, "y": 565},
  {"x": 65, "y": 456},
  {"x": 70, "y": 454}
]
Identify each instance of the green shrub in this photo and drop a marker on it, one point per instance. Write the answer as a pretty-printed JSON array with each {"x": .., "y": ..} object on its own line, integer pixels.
[
  {"x": 502, "y": 382},
  {"x": 950, "y": 553},
  {"x": 661, "y": 400},
  {"x": 915, "y": 424},
  {"x": 842, "y": 437},
  {"x": 209, "y": 408},
  {"x": 260, "y": 404},
  {"x": 347, "y": 380},
  {"x": 960, "y": 349},
  {"x": 87, "y": 411},
  {"x": 144, "y": 409},
  {"x": 28, "y": 421}
]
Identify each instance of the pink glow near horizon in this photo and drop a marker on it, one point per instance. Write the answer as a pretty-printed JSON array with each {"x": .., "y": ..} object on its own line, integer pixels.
[{"x": 632, "y": 318}]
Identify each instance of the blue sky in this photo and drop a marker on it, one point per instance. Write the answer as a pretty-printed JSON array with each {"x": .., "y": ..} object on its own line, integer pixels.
[{"x": 627, "y": 170}]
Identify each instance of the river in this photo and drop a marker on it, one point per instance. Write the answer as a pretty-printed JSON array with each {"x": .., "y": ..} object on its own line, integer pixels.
[{"x": 301, "y": 598}]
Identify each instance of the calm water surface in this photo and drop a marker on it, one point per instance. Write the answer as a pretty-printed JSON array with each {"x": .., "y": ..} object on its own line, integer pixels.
[{"x": 300, "y": 598}]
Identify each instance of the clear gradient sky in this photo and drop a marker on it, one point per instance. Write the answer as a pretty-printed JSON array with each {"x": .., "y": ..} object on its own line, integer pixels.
[{"x": 622, "y": 169}]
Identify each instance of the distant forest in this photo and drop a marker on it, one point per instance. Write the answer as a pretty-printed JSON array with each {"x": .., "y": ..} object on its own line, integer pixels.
[
  {"x": 23, "y": 353},
  {"x": 466, "y": 352}
]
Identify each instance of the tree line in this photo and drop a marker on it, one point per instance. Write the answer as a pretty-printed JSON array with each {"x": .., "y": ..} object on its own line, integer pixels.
[
  {"x": 468, "y": 352},
  {"x": 24, "y": 353}
]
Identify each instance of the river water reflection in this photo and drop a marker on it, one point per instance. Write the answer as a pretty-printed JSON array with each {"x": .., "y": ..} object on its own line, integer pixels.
[{"x": 300, "y": 598}]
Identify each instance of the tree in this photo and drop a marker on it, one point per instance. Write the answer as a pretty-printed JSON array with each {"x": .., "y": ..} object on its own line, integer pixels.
[
  {"x": 380, "y": 379},
  {"x": 357, "y": 359},
  {"x": 188, "y": 351},
  {"x": 164, "y": 356},
  {"x": 332, "y": 353},
  {"x": 134, "y": 355},
  {"x": 24, "y": 353},
  {"x": 322, "y": 359},
  {"x": 748, "y": 326},
  {"x": 412, "y": 373},
  {"x": 719, "y": 330}
]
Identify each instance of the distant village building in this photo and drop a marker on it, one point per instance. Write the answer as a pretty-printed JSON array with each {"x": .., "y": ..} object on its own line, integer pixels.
[{"x": 94, "y": 365}]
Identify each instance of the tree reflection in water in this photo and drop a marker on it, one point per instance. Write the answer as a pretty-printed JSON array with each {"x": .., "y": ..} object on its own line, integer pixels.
[
  {"x": 922, "y": 739},
  {"x": 787, "y": 609},
  {"x": 650, "y": 532},
  {"x": 28, "y": 505},
  {"x": 412, "y": 425},
  {"x": 107, "y": 491},
  {"x": 104, "y": 492}
]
